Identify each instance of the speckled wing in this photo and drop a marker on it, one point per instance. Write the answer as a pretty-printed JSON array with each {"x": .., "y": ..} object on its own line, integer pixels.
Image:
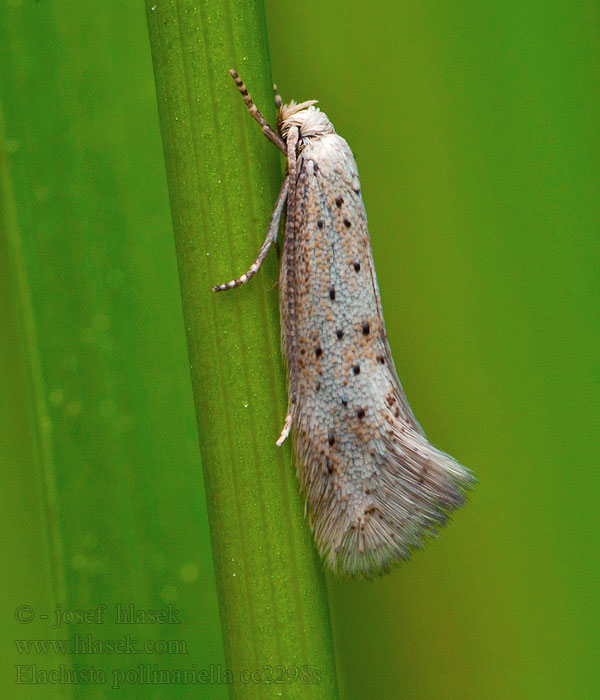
[{"x": 374, "y": 485}]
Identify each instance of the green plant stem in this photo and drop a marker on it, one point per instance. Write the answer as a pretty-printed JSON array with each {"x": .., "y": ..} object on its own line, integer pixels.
[{"x": 223, "y": 178}]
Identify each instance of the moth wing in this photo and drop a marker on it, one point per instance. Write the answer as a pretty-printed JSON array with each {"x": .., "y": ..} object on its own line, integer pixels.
[{"x": 375, "y": 486}]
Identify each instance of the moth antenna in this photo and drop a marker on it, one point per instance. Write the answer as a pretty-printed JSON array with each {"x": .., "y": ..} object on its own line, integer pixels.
[
  {"x": 267, "y": 130},
  {"x": 278, "y": 100}
]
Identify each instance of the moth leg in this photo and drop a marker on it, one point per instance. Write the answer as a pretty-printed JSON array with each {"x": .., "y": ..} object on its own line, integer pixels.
[
  {"x": 267, "y": 130},
  {"x": 285, "y": 431},
  {"x": 271, "y": 238},
  {"x": 290, "y": 244}
]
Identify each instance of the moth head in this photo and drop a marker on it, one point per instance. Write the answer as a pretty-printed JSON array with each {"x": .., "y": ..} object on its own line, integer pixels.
[{"x": 309, "y": 120}]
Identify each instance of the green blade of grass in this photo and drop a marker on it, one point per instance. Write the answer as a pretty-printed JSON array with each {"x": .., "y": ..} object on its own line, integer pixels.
[
  {"x": 223, "y": 178},
  {"x": 102, "y": 502}
]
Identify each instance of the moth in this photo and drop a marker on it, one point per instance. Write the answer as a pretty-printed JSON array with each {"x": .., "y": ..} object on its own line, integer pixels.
[{"x": 375, "y": 487}]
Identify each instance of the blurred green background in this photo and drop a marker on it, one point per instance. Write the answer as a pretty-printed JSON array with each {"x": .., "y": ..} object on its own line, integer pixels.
[{"x": 475, "y": 128}]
